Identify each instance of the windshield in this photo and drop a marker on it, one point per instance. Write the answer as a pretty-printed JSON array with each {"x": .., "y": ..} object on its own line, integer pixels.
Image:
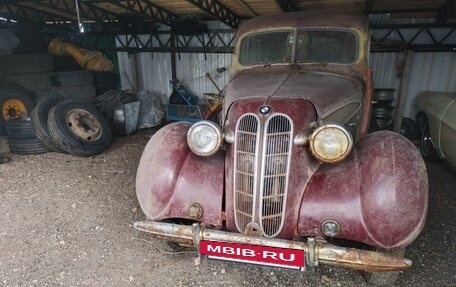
[
  {"x": 313, "y": 46},
  {"x": 266, "y": 48}
]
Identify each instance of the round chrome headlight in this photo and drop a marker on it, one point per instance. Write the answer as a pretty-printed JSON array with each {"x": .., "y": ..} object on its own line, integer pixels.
[
  {"x": 204, "y": 138},
  {"x": 330, "y": 143}
]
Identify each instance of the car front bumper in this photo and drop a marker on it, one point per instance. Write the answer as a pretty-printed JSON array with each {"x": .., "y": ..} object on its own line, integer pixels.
[{"x": 316, "y": 251}]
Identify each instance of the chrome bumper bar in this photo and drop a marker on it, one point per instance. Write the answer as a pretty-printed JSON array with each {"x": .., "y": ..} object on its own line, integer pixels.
[{"x": 317, "y": 252}]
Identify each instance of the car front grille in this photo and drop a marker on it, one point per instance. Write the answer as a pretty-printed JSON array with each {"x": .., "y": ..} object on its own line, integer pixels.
[
  {"x": 343, "y": 114},
  {"x": 262, "y": 160}
]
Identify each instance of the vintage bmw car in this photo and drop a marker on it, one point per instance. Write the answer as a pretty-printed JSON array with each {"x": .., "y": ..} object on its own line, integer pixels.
[
  {"x": 290, "y": 177},
  {"x": 436, "y": 117}
]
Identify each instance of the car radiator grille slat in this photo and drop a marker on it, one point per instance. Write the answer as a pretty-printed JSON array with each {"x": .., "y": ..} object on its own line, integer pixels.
[
  {"x": 246, "y": 146},
  {"x": 274, "y": 175},
  {"x": 265, "y": 197}
]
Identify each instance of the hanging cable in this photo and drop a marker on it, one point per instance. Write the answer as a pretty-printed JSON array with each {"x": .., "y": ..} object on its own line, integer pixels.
[{"x": 81, "y": 28}]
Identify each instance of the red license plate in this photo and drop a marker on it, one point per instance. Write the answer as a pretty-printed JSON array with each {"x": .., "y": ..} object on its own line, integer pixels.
[{"x": 255, "y": 254}]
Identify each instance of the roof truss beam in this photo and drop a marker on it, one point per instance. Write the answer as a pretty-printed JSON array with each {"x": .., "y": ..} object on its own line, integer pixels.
[
  {"x": 86, "y": 11},
  {"x": 219, "y": 11},
  {"x": 142, "y": 8},
  {"x": 15, "y": 11},
  {"x": 386, "y": 38},
  {"x": 391, "y": 37},
  {"x": 401, "y": 11}
]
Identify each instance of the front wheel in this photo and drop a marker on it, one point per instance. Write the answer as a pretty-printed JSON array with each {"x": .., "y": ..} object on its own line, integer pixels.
[{"x": 385, "y": 278}]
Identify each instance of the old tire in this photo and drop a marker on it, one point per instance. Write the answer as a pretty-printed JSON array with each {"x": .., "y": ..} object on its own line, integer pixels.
[
  {"x": 86, "y": 93},
  {"x": 19, "y": 129},
  {"x": 427, "y": 148},
  {"x": 386, "y": 278},
  {"x": 65, "y": 64},
  {"x": 74, "y": 78},
  {"x": 79, "y": 128},
  {"x": 104, "y": 81},
  {"x": 409, "y": 129},
  {"x": 27, "y": 146},
  {"x": 15, "y": 103},
  {"x": 39, "y": 121},
  {"x": 384, "y": 95},
  {"x": 383, "y": 112},
  {"x": 26, "y": 63},
  {"x": 34, "y": 82}
]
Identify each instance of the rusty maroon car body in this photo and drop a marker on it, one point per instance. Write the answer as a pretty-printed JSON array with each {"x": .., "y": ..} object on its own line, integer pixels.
[{"x": 377, "y": 195}]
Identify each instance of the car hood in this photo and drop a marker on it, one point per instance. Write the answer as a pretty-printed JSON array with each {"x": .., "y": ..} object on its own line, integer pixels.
[{"x": 326, "y": 91}]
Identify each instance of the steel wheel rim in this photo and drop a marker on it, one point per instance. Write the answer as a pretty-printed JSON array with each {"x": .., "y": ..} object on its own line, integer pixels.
[
  {"x": 426, "y": 140},
  {"x": 13, "y": 109},
  {"x": 83, "y": 124}
]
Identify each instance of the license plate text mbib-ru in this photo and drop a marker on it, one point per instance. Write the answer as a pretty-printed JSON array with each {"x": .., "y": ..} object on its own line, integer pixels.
[{"x": 255, "y": 254}]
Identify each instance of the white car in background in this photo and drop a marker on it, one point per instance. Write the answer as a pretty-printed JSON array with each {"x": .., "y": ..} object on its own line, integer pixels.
[{"x": 436, "y": 117}]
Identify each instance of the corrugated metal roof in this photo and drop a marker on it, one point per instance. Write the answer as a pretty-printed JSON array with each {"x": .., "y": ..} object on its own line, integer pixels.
[{"x": 240, "y": 8}]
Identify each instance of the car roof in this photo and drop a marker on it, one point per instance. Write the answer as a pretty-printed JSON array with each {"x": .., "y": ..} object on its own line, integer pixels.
[{"x": 306, "y": 19}]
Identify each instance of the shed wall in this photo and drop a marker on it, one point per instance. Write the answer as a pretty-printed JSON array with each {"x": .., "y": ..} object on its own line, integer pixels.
[{"x": 429, "y": 71}]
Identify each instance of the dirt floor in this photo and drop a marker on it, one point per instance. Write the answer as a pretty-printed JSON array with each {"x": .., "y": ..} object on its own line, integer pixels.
[{"x": 67, "y": 221}]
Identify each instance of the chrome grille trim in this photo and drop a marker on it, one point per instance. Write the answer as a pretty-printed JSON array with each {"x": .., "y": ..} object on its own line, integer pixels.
[
  {"x": 246, "y": 149},
  {"x": 275, "y": 166}
]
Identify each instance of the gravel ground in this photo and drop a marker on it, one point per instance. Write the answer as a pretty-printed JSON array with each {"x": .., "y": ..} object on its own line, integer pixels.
[{"x": 67, "y": 221}]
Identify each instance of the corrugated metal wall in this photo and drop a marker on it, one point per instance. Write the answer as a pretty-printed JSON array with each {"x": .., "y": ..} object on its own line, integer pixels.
[
  {"x": 154, "y": 69},
  {"x": 429, "y": 71},
  {"x": 154, "y": 72}
]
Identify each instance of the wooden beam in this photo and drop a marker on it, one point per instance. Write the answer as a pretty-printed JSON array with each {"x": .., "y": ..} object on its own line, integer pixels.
[
  {"x": 246, "y": 7},
  {"x": 219, "y": 11}
]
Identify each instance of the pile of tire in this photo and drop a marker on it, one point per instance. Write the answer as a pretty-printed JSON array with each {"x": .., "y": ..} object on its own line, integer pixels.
[
  {"x": 44, "y": 74},
  {"x": 383, "y": 109},
  {"x": 16, "y": 103},
  {"x": 70, "y": 126},
  {"x": 53, "y": 124},
  {"x": 104, "y": 81},
  {"x": 31, "y": 71},
  {"x": 74, "y": 85},
  {"x": 22, "y": 139},
  {"x": 71, "y": 82}
]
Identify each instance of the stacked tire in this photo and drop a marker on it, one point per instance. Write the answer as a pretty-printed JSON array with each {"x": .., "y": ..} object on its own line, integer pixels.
[
  {"x": 39, "y": 118},
  {"x": 74, "y": 85},
  {"x": 383, "y": 108},
  {"x": 104, "y": 81},
  {"x": 16, "y": 103},
  {"x": 31, "y": 71},
  {"x": 22, "y": 139},
  {"x": 71, "y": 126},
  {"x": 64, "y": 126}
]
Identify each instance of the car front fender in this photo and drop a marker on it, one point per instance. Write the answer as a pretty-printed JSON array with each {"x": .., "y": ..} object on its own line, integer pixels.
[
  {"x": 378, "y": 196},
  {"x": 172, "y": 182}
]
